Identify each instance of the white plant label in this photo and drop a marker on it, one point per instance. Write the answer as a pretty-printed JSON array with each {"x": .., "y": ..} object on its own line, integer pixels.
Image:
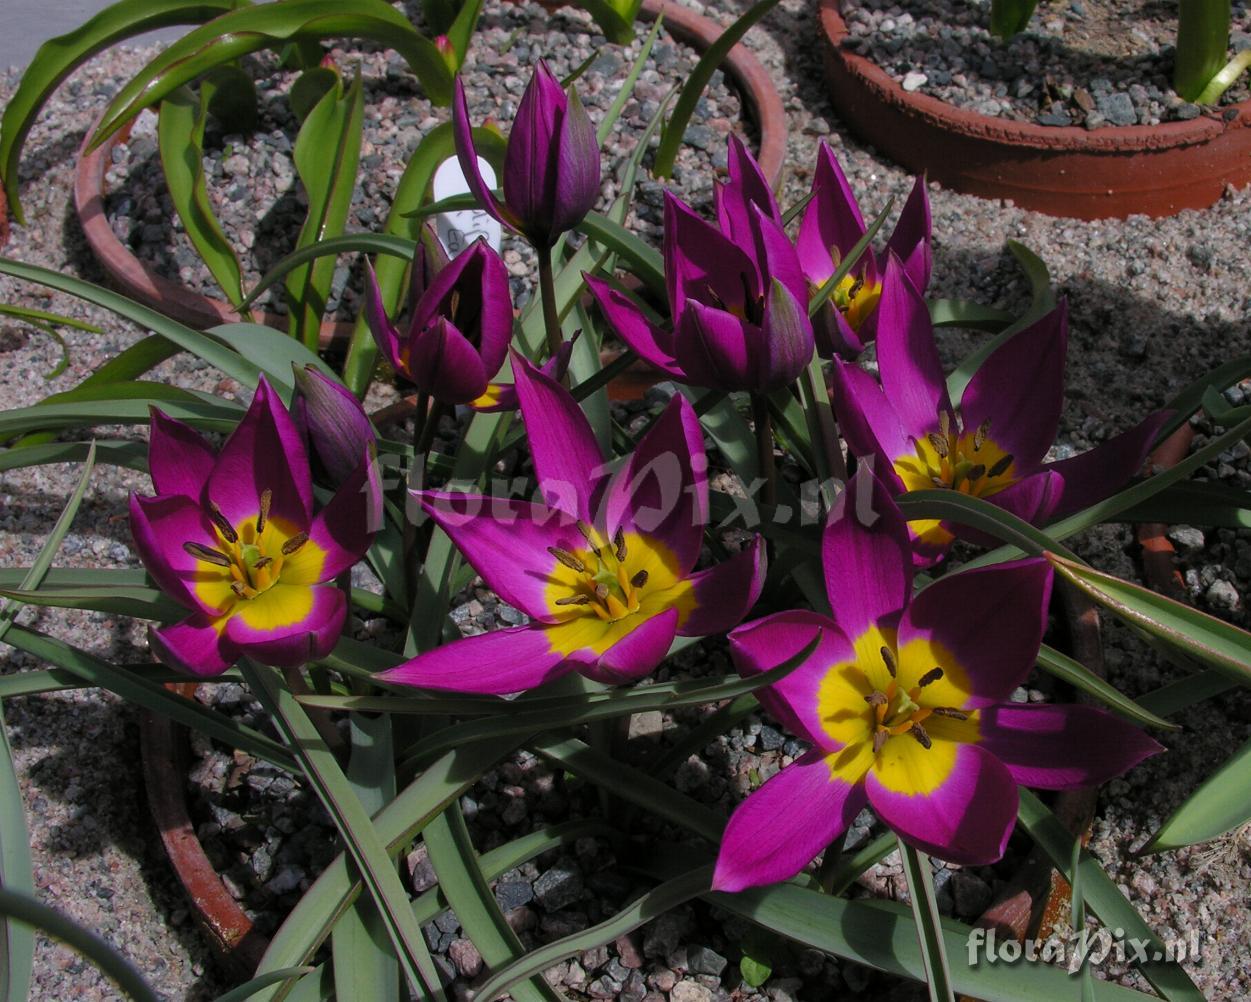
[{"x": 457, "y": 230}]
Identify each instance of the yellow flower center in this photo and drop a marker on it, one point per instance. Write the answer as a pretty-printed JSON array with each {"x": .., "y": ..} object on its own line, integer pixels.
[{"x": 855, "y": 299}]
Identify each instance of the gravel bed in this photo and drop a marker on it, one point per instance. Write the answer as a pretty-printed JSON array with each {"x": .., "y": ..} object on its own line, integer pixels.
[
  {"x": 255, "y": 192},
  {"x": 1154, "y": 303},
  {"x": 1093, "y": 63}
]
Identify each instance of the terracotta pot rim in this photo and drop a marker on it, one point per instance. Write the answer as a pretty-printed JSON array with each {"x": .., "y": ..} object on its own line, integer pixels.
[
  {"x": 1052, "y": 169},
  {"x": 140, "y": 281}
]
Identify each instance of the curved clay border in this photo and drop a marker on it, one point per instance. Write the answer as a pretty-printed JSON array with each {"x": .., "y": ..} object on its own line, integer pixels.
[
  {"x": 1062, "y": 171},
  {"x": 139, "y": 281}
]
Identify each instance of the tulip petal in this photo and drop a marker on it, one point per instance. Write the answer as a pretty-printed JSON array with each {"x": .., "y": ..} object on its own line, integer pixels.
[
  {"x": 339, "y": 430},
  {"x": 776, "y": 258},
  {"x": 989, "y": 621},
  {"x": 726, "y": 592},
  {"x": 503, "y": 661},
  {"x": 1100, "y": 472},
  {"x": 503, "y": 396},
  {"x": 577, "y": 168},
  {"x": 1031, "y": 500},
  {"x": 196, "y": 645},
  {"x": 763, "y": 644},
  {"x": 966, "y": 820},
  {"x": 180, "y": 459},
  {"x": 747, "y": 187},
  {"x": 570, "y": 467},
  {"x": 832, "y": 220},
  {"x": 777, "y": 831},
  {"x": 718, "y": 350},
  {"x": 264, "y": 453},
  {"x": 531, "y": 155},
  {"x": 506, "y": 541},
  {"x": 289, "y": 625},
  {"x": 1019, "y": 389},
  {"x": 835, "y": 337},
  {"x": 344, "y": 529},
  {"x": 650, "y": 342},
  {"x": 1062, "y": 747},
  {"x": 867, "y": 557},
  {"x": 160, "y": 526},
  {"x": 867, "y": 420},
  {"x": 662, "y": 490},
  {"x": 385, "y": 335},
  {"x": 446, "y": 365},
  {"x": 788, "y": 338},
  {"x": 907, "y": 355},
  {"x": 467, "y": 155},
  {"x": 636, "y": 654},
  {"x": 702, "y": 263},
  {"x": 910, "y": 240}
]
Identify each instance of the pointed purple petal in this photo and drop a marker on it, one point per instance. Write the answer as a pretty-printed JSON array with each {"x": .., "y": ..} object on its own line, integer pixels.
[
  {"x": 444, "y": 364},
  {"x": 651, "y": 343},
  {"x": 1062, "y": 747},
  {"x": 506, "y": 541},
  {"x": 577, "y": 168},
  {"x": 967, "y": 820},
  {"x": 500, "y": 662},
  {"x": 160, "y": 526},
  {"x": 726, "y": 592},
  {"x": 636, "y": 654},
  {"x": 777, "y": 830},
  {"x": 1031, "y": 500},
  {"x": 907, "y": 354},
  {"x": 910, "y": 240},
  {"x": 867, "y": 419},
  {"x": 503, "y": 396},
  {"x": 763, "y": 644},
  {"x": 990, "y": 621},
  {"x": 1020, "y": 390},
  {"x": 718, "y": 350},
  {"x": 531, "y": 155},
  {"x": 344, "y": 529},
  {"x": 866, "y": 556},
  {"x": 703, "y": 264},
  {"x": 747, "y": 187},
  {"x": 265, "y": 452},
  {"x": 194, "y": 645},
  {"x": 180, "y": 459},
  {"x": 467, "y": 155},
  {"x": 662, "y": 490},
  {"x": 289, "y": 625},
  {"x": 831, "y": 220},
  {"x": 788, "y": 338},
  {"x": 1105, "y": 469},
  {"x": 384, "y": 332},
  {"x": 339, "y": 431},
  {"x": 776, "y": 257},
  {"x": 835, "y": 337},
  {"x": 567, "y": 459}
]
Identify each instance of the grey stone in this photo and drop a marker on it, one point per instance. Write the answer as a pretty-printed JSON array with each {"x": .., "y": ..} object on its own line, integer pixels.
[
  {"x": 513, "y": 894},
  {"x": 690, "y": 991},
  {"x": 1117, "y": 107},
  {"x": 770, "y": 738},
  {"x": 465, "y": 956},
  {"x": 1186, "y": 538},
  {"x": 559, "y": 887},
  {"x": 704, "y": 960},
  {"x": 970, "y": 893},
  {"x": 1223, "y": 596}
]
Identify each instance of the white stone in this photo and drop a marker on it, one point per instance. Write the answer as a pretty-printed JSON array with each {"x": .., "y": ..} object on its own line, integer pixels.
[{"x": 914, "y": 81}]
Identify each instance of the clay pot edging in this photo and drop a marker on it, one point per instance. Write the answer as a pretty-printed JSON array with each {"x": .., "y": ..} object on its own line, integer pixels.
[{"x": 1106, "y": 173}]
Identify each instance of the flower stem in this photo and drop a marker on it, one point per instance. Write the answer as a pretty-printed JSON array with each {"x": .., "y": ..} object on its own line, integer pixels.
[
  {"x": 547, "y": 289},
  {"x": 764, "y": 447}
]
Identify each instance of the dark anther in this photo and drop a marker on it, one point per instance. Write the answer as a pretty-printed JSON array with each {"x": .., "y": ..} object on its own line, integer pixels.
[
  {"x": 207, "y": 553},
  {"x": 575, "y": 600},
  {"x": 223, "y": 524},
  {"x": 589, "y": 535},
  {"x": 1001, "y": 467},
  {"x": 930, "y": 677},
  {"x": 237, "y": 588},
  {"x": 267, "y": 497},
  {"x": 639, "y": 579},
  {"x": 601, "y": 591},
  {"x": 568, "y": 559},
  {"x": 856, "y": 286},
  {"x": 979, "y": 436},
  {"x": 294, "y": 543},
  {"x": 879, "y": 739},
  {"x": 263, "y": 562},
  {"x": 949, "y": 711},
  {"x": 876, "y": 699},
  {"x": 918, "y": 732},
  {"x": 976, "y": 473},
  {"x": 619, "y": 544},
  {"x": 888, "y": 658},
  {"x": 939, "y": 442}
]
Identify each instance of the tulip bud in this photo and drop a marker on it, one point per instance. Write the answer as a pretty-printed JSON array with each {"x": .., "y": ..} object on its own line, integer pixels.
[{"x": 333, "y": 421}]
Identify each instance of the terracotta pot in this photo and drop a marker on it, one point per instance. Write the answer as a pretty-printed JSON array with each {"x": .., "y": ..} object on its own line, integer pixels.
[
  {"x": 1065, "y": 171},
  {"x": 141, "y": 282}
]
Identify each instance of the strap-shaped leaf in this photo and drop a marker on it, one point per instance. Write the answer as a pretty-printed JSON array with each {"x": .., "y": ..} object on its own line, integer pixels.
[{"x": 1220, "y": 804}]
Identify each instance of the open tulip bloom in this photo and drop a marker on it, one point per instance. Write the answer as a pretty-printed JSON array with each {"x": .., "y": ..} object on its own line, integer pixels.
[
  {"x": 737, "y": 297},
  {"x": 904, "y": 702},
  {"x": 232, "y": 536},
  {"x": 604, "y": 569},
  {"x": 831, "y": 227},
  {"x": 993, "y": 447},
  {"x": 551, "y": 162}
]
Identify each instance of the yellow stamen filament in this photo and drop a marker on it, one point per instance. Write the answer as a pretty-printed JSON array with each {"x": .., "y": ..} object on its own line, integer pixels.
[{"x": 604, "y": 584}]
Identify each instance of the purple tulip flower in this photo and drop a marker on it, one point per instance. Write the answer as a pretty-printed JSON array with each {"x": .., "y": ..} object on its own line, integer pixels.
[
  {"x": 604, "y": 569},
  {"x": 461, "y": 322},
  {"x": 831, "y": 227},
  {"x": 905, "y": 704},
  {"x": 551, "y": 162},
  {"x": 994, "y": 446},
  {"x": 332, "y": 422},
  {"x": 736, "y": 293},
  {"x": 232, "y": 536}
]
